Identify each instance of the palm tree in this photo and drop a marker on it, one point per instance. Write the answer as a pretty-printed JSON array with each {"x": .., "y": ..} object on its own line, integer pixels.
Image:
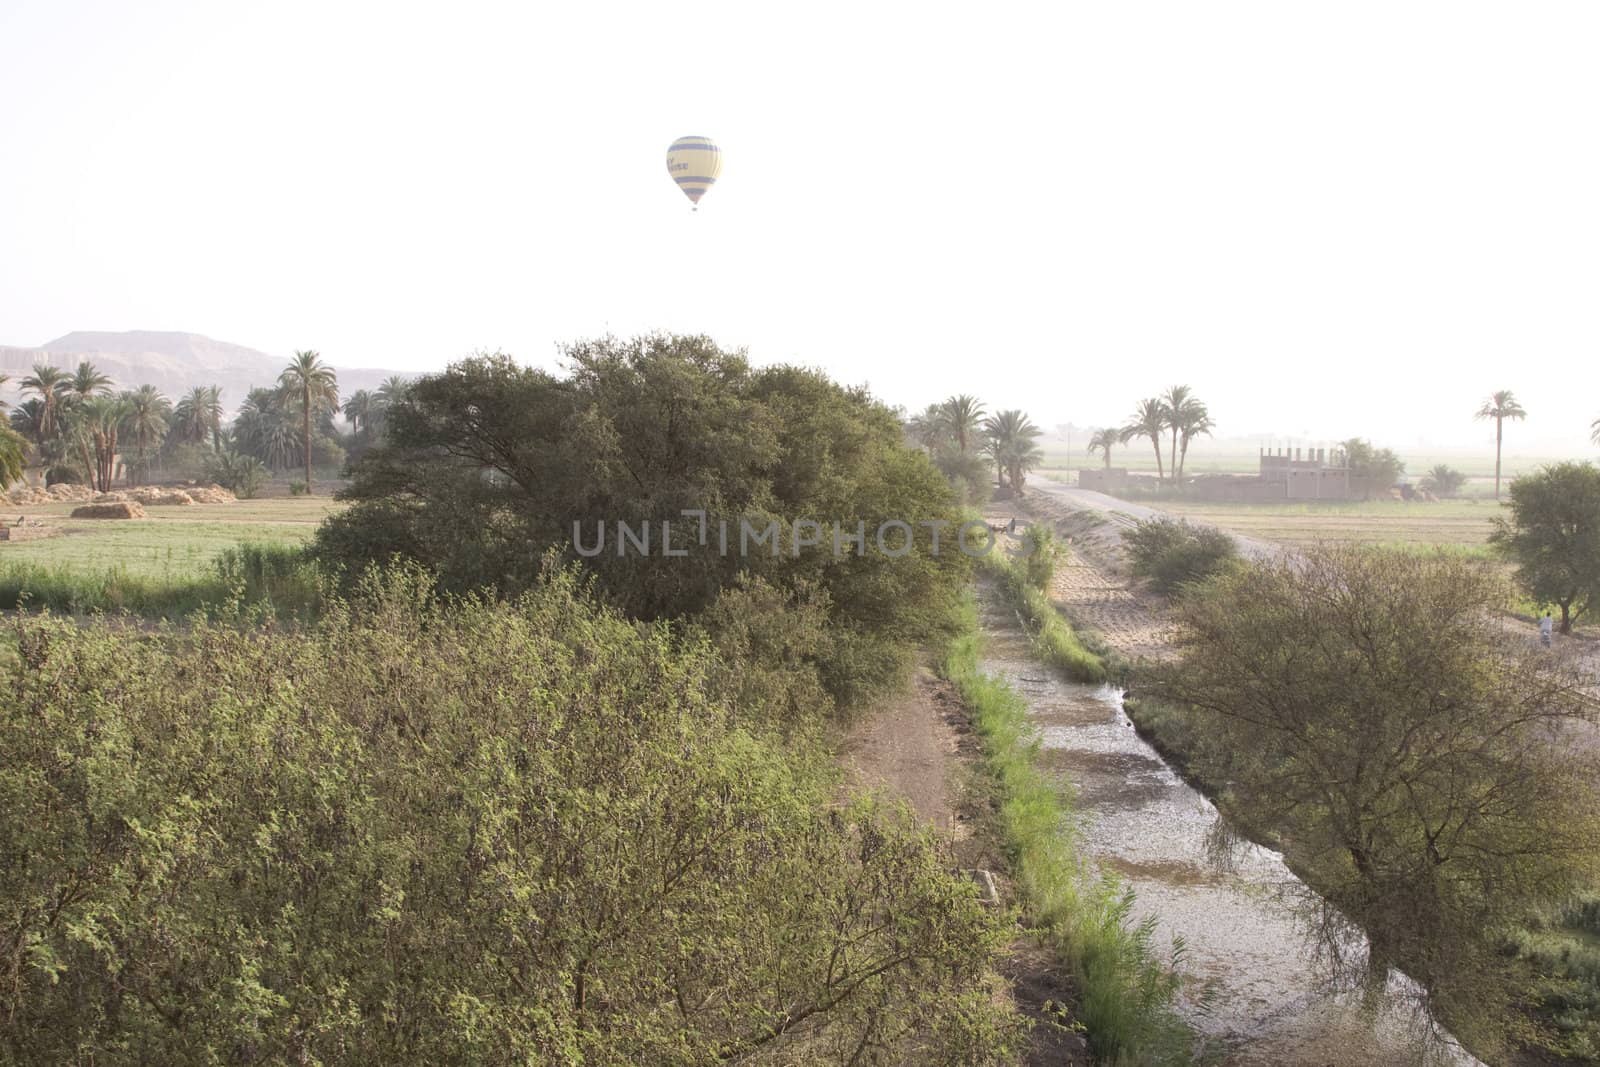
[
  {"x": 1500, "y": 406},
  {"x": 1192, "y": 420},
  {"x": 49, "y": 383},
  {"x": 359, "y": 408},
  {"x": 92, "y": 429},
  {"x": 316, "y": 387},
  {"x": 1594, "y": 431},
  {"x": 1149, "y": 420},
  {"x": 1172, "y": 402},
  {"x": 1103, "y": 441},
  {"x": 13, "y": 456},
  {"x": 145, "y": 420},
  {"x": 88, "y": 381},
  {"x": 214, "y": 415},
  {"x": 1012, "y": 444},
  {"x": 4, "y": 378},
  {"x": 26, "y": 418},
  {"x": 927, "y": 428},
  {"x": 962, "y": 416},
  {"x": 191, "y": 418}
]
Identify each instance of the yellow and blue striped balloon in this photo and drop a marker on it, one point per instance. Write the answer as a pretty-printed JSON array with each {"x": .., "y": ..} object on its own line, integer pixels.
[{"x": 694, "y": 163}]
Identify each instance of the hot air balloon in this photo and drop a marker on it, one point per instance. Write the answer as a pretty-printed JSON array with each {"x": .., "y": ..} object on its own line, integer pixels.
[{"x": 694, "y": 163}]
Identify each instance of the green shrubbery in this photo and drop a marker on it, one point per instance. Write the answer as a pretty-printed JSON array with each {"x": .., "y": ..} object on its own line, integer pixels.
[
  {"x": 1172, "y": 554},
  {"x": 417, "y": 832},
  {"x": 487, "y": 465},
  {"x": 240, "y": 474},
  {"x": 1053, "y": 636}
]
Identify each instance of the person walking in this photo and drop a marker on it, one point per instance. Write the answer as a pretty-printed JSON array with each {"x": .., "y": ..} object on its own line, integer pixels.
[{"x": 1547, "y": 626}]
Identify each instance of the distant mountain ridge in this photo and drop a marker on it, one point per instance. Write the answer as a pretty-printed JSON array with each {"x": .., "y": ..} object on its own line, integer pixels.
[{"x": 173, "y": 362}]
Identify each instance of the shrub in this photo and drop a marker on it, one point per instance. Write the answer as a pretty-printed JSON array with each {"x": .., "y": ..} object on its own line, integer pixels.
[
  {"x": 298, "y": 488},
  {"x": 63, "y": 474},
  {"x": 1172, "y": 554},
  {"x": 1042, "y": 554},
  {"x": 1444, "y": 480},
  {"x": 425, "y": 832},
  {"x": 240, "y": 474}
]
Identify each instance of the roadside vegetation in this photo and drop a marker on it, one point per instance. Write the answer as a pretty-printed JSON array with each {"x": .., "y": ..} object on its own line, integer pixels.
[
  {"x": 1026, "y": 581},
  {"x": 1125, "y": 984},
  {"x": 429, "y": 830},
  {"x": 1465, "y": 836},
  {"x": 1172, "y": 554}
]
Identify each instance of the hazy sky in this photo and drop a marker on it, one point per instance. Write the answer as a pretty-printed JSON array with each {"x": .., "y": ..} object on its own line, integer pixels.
[{"x": 1331, "y": 219}]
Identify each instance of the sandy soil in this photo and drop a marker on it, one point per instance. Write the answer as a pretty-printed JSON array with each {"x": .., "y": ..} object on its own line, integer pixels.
[{"x": 908, "y": 748}]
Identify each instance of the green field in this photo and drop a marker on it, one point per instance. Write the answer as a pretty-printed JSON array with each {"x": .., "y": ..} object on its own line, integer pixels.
[
  {"x": 172, "y": 543},
  {"x": 1465, "y": 523}
]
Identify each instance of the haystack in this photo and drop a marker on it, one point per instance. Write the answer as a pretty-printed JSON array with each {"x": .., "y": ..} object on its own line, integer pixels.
[{"x": 121, "y": 509}]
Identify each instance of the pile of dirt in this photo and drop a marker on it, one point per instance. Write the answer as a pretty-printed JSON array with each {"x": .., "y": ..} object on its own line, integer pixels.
[
  {"x": 24, "y": 494},
  {"x": 155, "y": 496},
  {"x": 210, "y": 494},
  {"x": 148, "y": 495},
  {"x": 117, "y": 509}
]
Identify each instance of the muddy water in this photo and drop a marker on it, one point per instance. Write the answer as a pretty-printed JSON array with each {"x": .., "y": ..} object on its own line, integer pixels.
[{"x": 1270, "y": 1003}]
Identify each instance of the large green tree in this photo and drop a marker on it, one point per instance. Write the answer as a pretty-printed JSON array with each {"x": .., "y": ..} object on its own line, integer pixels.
[
  {"x": 1501, "y": 405},
  {"x": 1366, "y": 708},
  {"x": 489, "y": 463},
  {"x": 314, "y": 388},
  {"x": 1553, "y": 536},
  {"x": 1014, "y": 442}
]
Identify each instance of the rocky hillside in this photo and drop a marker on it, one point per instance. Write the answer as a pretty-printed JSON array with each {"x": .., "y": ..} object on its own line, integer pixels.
[{"x": 172, "y": 362}]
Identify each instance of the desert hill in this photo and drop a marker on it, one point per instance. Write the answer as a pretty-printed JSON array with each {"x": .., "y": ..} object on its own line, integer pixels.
[{"x": 172, "y": 362}]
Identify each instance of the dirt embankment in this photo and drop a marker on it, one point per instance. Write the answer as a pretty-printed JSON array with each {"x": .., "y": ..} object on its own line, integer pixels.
[
  {"x": 920, "y": 747},
  {"x": 1093, "y": 586}
]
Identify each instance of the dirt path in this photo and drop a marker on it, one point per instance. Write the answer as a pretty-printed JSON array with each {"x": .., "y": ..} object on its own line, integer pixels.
[
  {"x": 919, "y": 747},
  {"x": 908, "y": 748}
]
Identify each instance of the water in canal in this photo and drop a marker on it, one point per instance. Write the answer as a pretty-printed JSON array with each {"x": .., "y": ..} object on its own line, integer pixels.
[{"x": 1270, "y": 1002}]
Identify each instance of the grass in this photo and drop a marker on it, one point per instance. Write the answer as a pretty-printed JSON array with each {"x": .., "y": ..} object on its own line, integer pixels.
[
  {"x": 273, "y": 577},
  {"x": 1053, "y": 637},
  {"x": 171, "y": 545},
  {"x": 1125, "y": 990}
]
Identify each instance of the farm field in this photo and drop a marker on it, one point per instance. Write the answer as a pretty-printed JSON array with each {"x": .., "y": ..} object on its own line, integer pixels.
[
  {"x": 172, "y": 542},
  {"x": 1454, "y": 523}
]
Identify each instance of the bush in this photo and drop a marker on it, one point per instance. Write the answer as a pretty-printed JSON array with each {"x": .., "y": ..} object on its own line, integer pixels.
[
  {"x": 298, "y": 488},
  {"x": 1042, "y": 554},
  {"x": 1444, "y": 480},
  {"x": 240, "y": 474},
  {"x": 63, "y": 474},
  {"x": 1172, "y": 554},
  {"x": 420, "y": 832}
]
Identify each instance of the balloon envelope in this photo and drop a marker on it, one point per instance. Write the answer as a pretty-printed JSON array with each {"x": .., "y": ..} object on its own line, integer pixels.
[{"x": 694, "y": 163}]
